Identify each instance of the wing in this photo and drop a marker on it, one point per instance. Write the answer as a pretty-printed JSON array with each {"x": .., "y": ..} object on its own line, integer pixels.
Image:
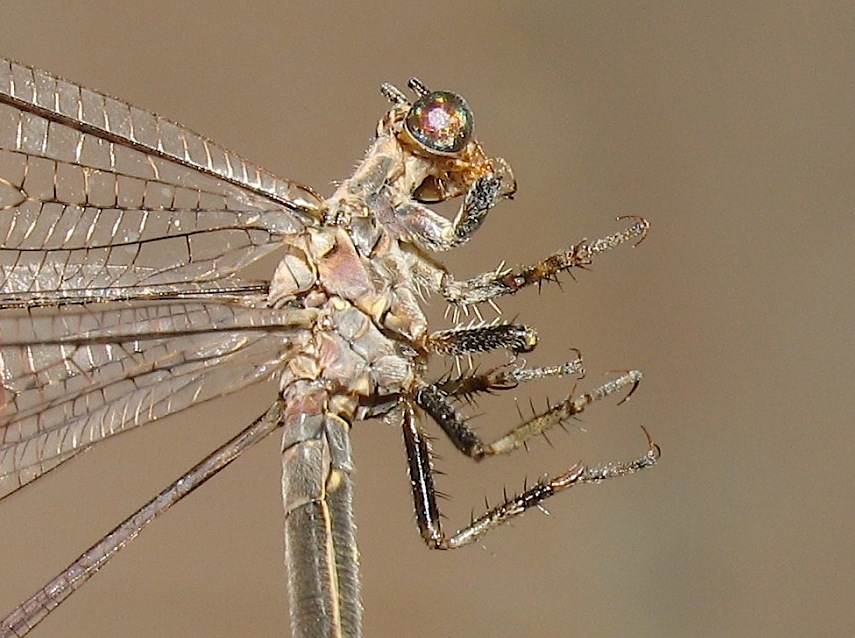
[
  {"x": 97, "y": 194},
  {"x": 73, "y": 378},
  {"x": 103, "y": 202}
]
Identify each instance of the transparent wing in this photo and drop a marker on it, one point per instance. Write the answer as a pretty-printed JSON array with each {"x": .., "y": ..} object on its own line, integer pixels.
[
  {"x": 73, "y": 378},
  {"x": 99, "y": 202},
  {"x": 97, "y": 194}
]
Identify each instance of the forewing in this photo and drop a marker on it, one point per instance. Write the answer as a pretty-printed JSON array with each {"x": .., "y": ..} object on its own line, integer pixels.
[
  {"x": 95, "y": 193},
  {"x": 73, "y": 378}
]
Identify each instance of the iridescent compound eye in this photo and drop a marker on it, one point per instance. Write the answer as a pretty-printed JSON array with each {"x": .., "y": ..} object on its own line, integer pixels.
[{"x": 441, "y": 122}]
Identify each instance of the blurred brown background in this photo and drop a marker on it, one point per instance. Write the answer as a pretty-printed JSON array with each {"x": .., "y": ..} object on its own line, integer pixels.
[{"x": 730, "y": 126}]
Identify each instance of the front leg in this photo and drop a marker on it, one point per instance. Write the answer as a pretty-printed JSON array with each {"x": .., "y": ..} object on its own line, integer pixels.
[{"x": 436, "y": 233}]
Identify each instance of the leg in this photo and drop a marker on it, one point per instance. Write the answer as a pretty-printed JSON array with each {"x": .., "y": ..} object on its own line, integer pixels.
[
  {"x": 507, "y": 378},
  {"x": 514, "y": 337},
  {"x": 482, "y": 196},
  {"x": 435, "y": 402},
  {"x": 439, "y": 234},
  {"x": 424, "y": 494},
  {"x": 507, "y": 281}
]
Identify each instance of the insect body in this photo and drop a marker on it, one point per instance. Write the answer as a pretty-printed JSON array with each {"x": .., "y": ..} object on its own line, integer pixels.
[{"x": 123, "y": 238}]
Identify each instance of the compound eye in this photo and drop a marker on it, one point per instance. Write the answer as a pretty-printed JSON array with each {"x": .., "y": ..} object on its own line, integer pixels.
[{"x": 441, "y": 122}]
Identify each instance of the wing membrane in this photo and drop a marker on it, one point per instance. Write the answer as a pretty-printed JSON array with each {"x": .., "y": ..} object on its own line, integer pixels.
[
  {"x": 99, "y": 202},
  {"x": 73, "y": 378},
  {"x": 95, "y": 193}
]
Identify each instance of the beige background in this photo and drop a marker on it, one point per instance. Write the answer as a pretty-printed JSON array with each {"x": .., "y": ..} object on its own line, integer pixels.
[{"x": 730, "y": 126}]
